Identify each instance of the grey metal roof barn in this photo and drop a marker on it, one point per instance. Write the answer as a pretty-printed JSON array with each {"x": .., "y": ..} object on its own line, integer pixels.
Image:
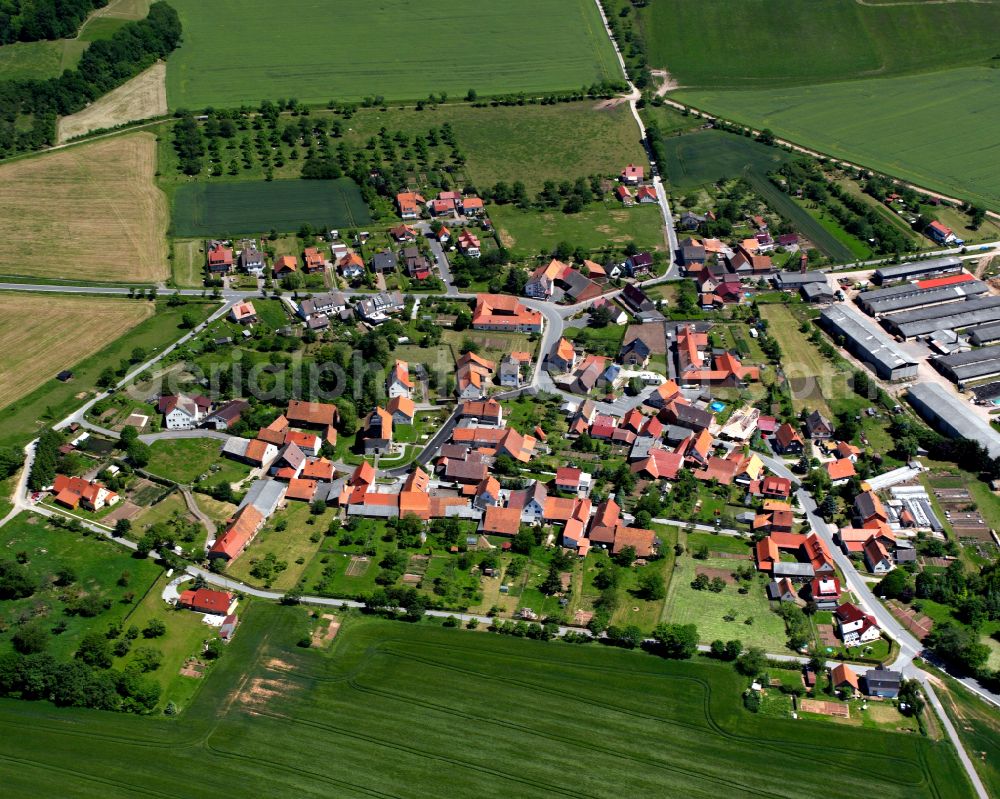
[
  {"x": 868, "y": 344},
  {"x": 922, "y": 298},
  {"x": 986, "y": 334},
  {"x": 950, "y": 316},
  {"x": 978, "y": 363},
  {"x": 792, "y": 280},
  {"x": 908, "y": 271},
  {"x": 950, "y": 415}
]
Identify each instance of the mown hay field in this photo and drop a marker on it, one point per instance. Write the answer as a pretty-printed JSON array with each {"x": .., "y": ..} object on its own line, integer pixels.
[
  {"x": 316, "y": 51},
  {"x": 420, "y": 711},
  {"x": 244, "y": 207},
  {"x": 42, "y": 335},
  {"x": 86, "y": 213},
  {"x": 142, "y": 97},
  {"x": 937, "y": 129}
]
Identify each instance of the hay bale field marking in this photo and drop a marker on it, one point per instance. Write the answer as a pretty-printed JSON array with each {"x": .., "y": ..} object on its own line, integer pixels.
[
  {"x": 90, "y": 212},
  {"x": 40, "y": 335},
  {"x": 142, "y": 97},
  {"x": 357, "y": 566}
]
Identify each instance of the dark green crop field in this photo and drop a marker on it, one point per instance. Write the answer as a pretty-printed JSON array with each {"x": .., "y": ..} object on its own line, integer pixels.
[
  {"x": 244, "y": 51},
  {"x": 220, "y": 209},
  {"x": 396, "y": 710}
]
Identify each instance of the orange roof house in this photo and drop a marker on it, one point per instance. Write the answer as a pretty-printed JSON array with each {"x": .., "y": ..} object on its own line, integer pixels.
[
  {"x": 301, "y": 489},
  {"x": 840, "y": 469},
  {"x": 74, "y": 491},
  {"x": 314, "y": 261},
  {"x": 843, "y": 677},
  {"x": 284, "y": 264},
  {"x": 501, "y": 312},
  {"x": 205, "y": 600},
  {"x": 239, "y": 533},
  {"x": 318, "y": 469},
  {"x": 409, "y": 204},
  {"x": 312, "y": 414},
  {"x": 500, "y": 521},
  {"x": 767, "y": 554},
  {"x": 402, "y": 409},
  {"x": 243, "y": 312},
  {"x": 643, "y": 541}
]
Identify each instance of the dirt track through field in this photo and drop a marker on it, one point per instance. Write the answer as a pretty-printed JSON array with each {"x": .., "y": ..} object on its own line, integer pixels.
[
  {"x": 87, "y": 212},
  {"x": 142, "y": 97},
  {"x": 41, "y": 336}
]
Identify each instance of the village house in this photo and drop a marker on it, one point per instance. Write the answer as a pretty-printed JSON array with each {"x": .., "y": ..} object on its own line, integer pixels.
[
  {"x": 251, "y": 260},
  {"x": 220, "y": 258},
  {"x": 402, "y": 410},
  {"x": 205, "y": 600},
  {"x": 632, "y": 175},
  {"x": 228, "y": 414},
  {"x": 351, "y": 266},
  {"x": 409, "y": 204},
  {"x": 501, "y": 312},
  {"x": 181, "y": 412},
  {"x": 376, "y": 309},
  {"x": 818, "y": 427},
  {"x": 313, "y": 260},
  {"x": 416, "y": 264},
  {"x": 378, "y": 432},
  {"x": 468, "y": 244},
  {"x": 240, "y": 531},
  {"x": 285, "y": 265},
  {"x": 787, "y": 440},
  {"x": 71, "y": 492},
  {"x": 639, "y": 264},
  {"x": 398, "y": 384},
  {"x": 403, "y": 233},
  {"x": 326, "y": 305},
  {"x": 472, "y": 376},
  {"x": 243, "y": 313},
  {"x": 854, "y": 626},
  {"x": 385, "y": 262}
]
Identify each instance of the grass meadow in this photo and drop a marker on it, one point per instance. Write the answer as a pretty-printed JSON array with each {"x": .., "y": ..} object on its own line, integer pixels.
[
  {"x": 788, "y": 42},
  {"x": 316, "y": 51},
  {"x": 934, "y": 129},
  {"x": 220, "y": 209},
  {"x": 417, "y": 710}
]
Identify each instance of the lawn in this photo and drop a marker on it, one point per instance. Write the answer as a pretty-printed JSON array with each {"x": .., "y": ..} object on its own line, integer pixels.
[
  {"x": 496, "y": 716},
  {"x": 97, "y": 566},
  {"x": 833, "y": 40},
  {"x": 811, "y": 376},
  {"x": 39, "y": 60},
  {"x": 292, "y": 544},
  {"x": 40, "y": 335},
  {"x": 86, "y": 213},
  {"x": 184, "y": 460},
  {"x": 247, "y": 207},
  {"x": 308, "y": 50},
  {"x": 184, "y": 638},
  {"x": 188, "y": 265},
  {"x": 53, "y": 399},
  {"x": 706, "y": 609},
  {"x": 915, "y": 114},
  {"x": 598, "y": 227}
]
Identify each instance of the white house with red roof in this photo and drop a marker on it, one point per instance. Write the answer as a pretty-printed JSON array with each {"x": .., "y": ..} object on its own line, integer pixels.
[
  {"x": 854, "y": 626},
  {"x": 205, "y": 600},
  {"x": 181, "y": 412},
  {"x": 399, "y": 383}
]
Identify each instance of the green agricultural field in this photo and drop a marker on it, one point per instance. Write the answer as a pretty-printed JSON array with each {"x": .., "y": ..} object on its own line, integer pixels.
[
  {"x": 597, "y": 227},
  {"x": 916, "y": 116},
  {"x": 417, "y": 710},
  {"x": 216, "y": 209},
  {"x": 316, "y": 51},
  {"x": 698, "y": 159},
  {"x": 790, "y": 42},
  {"x": 810, "y": 374}
]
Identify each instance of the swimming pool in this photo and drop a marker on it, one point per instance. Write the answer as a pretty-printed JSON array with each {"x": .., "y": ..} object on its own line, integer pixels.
[{"x": 718, "y": 406}]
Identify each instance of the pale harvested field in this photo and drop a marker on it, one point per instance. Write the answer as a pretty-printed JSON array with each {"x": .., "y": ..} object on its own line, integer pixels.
[
  {"x": 142, "y": 97},
  {"x": 41, "y": 336},
  {"x": 90, "y": 212}
]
